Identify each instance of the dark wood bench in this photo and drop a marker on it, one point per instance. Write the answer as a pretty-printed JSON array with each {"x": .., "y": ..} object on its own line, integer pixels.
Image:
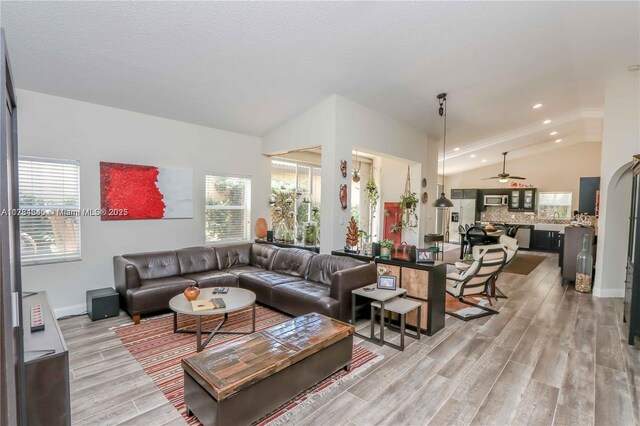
[{"x": 240, "y": 382}]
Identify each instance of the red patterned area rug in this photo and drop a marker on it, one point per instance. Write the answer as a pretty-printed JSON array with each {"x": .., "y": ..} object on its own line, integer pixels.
[{"x": 159, "y": 351}]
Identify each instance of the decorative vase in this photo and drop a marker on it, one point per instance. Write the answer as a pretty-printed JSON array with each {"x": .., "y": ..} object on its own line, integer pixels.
[
  {"x": 261, "y": 228},
  {"x": 385, "y": 253},
  {"x": 367, "y": 247},
  {"x": 584, "y": 266},
  {"x": 191, "y": 292}
]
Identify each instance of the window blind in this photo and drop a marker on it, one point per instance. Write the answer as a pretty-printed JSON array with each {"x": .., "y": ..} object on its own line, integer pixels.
[
  {"x": 49, "y": 199},
  {"x": 227, "y": 208}
]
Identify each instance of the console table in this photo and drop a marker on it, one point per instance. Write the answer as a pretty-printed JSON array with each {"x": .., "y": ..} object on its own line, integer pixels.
[
  {"x": 46, "y": 367},
  {"x": 315, "y": 249},
  {"x": 425, "y": 283}
]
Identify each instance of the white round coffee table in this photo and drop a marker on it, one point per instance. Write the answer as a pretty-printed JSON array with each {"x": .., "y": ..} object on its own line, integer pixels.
[{"x": 237, "y": 299}]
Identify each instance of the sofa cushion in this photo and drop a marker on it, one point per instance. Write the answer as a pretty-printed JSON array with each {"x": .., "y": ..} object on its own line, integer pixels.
[
  {"x": 155, "y": 265},
  {"x": 261, "y": 283},
  {"x": 197, "y": 259},
  {"x": 243, "y": 269},
  {"x": 262, "y": 255},
  {"x": 291, "y": 261},
  {"x": 323, "y": 266},
  {"x": 213, "y": 279},
  {"x": 302, "y": 297},
  {"x": 229, "y": 256},
  {"x": 154, "y": 295}
]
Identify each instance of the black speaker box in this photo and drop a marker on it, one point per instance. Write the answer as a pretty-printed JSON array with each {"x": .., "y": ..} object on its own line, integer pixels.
[{"x": 102, "y": 303}]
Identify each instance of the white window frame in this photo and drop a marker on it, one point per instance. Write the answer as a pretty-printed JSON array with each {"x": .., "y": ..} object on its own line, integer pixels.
[
  {"x": 569, "y": 209},
  {"x": 44, "y": 210},
  {"x": 246, "y": 207}
]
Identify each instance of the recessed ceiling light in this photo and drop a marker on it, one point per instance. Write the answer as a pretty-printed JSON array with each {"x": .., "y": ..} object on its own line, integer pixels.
[
  {"x": 484, "y": 160},
  {"x": 473, "y": 156},
  {"x": 558, "y": 140},
  {"x": 536, "y": 106},
  {"x": 633, "y": 67},
  {"x": 456, "y": 149},
  {"x": 547, "y": 121},
  {"x": 553, "y": 133}
]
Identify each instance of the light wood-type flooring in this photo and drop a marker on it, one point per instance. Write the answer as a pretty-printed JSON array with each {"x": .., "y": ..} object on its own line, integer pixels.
[{"x": 552, "y": 356}]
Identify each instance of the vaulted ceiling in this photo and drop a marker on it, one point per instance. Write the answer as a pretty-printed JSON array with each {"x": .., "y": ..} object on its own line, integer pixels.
[{"x": 251, "y": 66}]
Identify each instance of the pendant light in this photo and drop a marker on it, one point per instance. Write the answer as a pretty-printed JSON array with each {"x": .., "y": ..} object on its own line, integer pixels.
[{"x": 443, "y": 202}]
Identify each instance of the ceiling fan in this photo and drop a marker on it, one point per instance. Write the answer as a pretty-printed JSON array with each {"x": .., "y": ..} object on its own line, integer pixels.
[{"x": 504, "y": 176}]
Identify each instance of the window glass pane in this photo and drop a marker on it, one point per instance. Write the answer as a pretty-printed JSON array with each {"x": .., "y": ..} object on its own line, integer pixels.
[
  {"x": 227, "y": 208},
  {"x": 554, "y": 205},
  {"x": 49, "y": 199}
]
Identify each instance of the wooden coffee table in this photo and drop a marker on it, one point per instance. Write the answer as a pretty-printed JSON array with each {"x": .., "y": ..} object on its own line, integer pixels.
[{"x": 237, "y": 299}]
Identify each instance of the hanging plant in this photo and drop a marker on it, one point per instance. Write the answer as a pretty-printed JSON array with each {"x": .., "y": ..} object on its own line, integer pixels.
[
  {"x": 408, "y": 204},
  {"x": 409, "y": 201},
  {"x": 372, "y": 195}
]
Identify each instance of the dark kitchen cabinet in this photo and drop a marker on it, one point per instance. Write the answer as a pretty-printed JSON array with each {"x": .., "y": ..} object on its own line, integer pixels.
[
  {"x": 464, "y": 194},
  {"x": 522, "y": 200},
  {"x": 546, "y": 241},
  {"x": 457, "y": 194}
]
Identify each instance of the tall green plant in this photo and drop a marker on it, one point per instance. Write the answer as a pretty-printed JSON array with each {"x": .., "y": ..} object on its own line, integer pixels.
[{"x": 372, "y": 195}]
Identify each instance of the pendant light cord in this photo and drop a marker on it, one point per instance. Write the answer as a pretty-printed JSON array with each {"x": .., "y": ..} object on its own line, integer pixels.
[{"x": 444, "y": 144}]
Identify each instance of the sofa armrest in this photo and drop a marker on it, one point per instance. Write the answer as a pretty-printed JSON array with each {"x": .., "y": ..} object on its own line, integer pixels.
[
  {"x": 126, "y": 275},
  {"x": 343, "y": 282}
]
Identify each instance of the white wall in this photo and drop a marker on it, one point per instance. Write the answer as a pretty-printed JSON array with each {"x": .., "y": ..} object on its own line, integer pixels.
[
  {"x": 312, "y": 128},
  {"x": 56, "y": 127},
  {"x": 559, "y": 170},
  {"x": 339, "y": 126},
  {"x": 620, "y": 141},
  {"x": 369, "y": 131},
  {"x": 394, "y": 178}
]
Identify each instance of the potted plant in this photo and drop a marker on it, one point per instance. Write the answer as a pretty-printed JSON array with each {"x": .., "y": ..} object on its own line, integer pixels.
[
  {"x": 409, "y": 201},
  {"x": 385, "y": 249},
  {"x": 372, "y": 195}
]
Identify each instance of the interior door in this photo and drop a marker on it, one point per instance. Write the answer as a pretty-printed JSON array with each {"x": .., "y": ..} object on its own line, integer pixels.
[{"x": 11, "y": 349}]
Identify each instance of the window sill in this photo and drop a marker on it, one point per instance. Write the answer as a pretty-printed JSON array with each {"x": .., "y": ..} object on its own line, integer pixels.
[{"x": 49, "y": 262}]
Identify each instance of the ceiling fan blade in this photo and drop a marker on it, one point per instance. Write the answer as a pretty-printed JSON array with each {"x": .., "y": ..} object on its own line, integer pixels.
[
  {"x": 494, "y": 177},
  {"x": 517, "y": 177}
]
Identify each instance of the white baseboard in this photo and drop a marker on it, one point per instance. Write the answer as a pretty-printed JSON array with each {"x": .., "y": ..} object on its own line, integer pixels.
[
  {"x": 608, "y": 292},
  {"x": 70, "y": 310}
]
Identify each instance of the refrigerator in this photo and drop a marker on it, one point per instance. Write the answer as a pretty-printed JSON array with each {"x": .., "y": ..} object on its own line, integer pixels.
[{"x": 462, "y": 213}]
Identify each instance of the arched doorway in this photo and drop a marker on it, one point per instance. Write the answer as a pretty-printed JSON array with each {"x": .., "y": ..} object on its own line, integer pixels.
[{"x": 612, "y": 249}]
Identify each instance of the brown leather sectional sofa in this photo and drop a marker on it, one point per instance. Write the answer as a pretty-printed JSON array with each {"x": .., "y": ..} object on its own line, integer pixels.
[{"x": 291, "y": 280}]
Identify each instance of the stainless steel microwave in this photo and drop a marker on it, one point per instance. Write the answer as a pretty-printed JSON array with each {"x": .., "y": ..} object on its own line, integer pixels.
[{"x": 496, "y": 200}]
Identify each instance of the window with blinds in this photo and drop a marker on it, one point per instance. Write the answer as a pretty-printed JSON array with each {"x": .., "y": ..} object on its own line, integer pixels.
[
  {"x": 49, "y": 210},
  {"x": 227, "y": 208}
]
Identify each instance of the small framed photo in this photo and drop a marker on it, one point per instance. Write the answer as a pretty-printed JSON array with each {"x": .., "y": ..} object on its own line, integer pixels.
[
  {"x": 386, "y": 282},
  {"x": 424, "y": 256}
]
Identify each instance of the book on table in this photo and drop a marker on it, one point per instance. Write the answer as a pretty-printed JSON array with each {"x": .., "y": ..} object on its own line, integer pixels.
[{"x": 208, "y": 305}]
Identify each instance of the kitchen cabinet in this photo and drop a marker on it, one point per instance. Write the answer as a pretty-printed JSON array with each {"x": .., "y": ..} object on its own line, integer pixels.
[
  {"x": 522, "y": 200},
  {"x": 546, "y": 241},
  {"x": 464, "y": 194}
]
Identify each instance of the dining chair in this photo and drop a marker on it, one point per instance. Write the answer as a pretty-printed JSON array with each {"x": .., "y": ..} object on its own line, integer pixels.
[{"x": 476, "y": 236}]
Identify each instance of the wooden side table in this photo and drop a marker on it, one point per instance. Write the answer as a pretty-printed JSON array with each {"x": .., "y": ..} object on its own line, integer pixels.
[
  {"x": 377, "y": 295},
  {"x": 402, "y": 307}
]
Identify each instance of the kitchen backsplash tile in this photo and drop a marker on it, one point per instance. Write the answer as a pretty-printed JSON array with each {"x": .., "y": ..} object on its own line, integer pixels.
[{"x": 502, "y": 214}]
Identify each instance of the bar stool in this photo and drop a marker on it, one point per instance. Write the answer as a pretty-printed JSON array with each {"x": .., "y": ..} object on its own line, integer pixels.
[
  {"x": 436, "y": 243},
  {"x": 401, "y": 306}
]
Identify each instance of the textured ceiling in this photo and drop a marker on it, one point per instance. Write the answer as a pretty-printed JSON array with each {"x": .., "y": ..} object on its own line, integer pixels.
[{"x": 249, "y": 66}]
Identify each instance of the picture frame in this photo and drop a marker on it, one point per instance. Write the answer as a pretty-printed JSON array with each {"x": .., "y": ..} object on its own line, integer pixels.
[
  {"x": 425, "y": 255},
  {"x": 386, "y": 282}
]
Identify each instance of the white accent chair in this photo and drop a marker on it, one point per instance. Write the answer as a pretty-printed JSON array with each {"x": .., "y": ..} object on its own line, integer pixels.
[{"x": 488, "y": 262}]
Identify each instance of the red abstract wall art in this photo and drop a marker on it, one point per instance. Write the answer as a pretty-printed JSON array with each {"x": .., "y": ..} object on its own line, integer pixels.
[{"x": 131, "y": 191}]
